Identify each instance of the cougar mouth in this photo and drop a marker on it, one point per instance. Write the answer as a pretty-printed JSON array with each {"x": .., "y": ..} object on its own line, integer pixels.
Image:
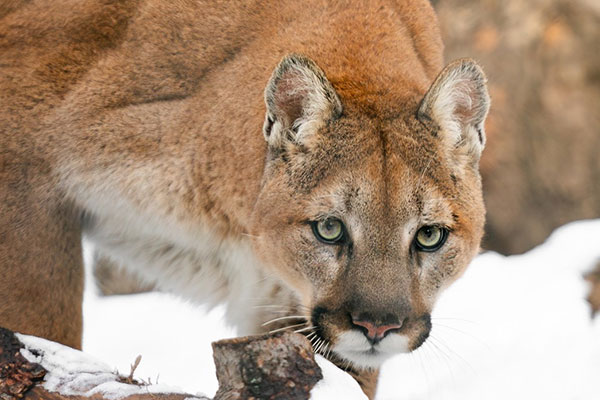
[
  {"x": 338, "y": 336},
  {"x": 353, "y": 346}
]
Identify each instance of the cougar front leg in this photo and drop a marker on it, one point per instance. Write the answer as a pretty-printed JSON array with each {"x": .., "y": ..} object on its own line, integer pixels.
[
  {"x": 41, "y": 266},
  {"x": 113, "y": 279},
  {"x": 367, "y": 379}
]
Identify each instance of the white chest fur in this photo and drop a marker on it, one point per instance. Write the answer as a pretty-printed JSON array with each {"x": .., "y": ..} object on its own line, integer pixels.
[{"x": 199, "y": 266}]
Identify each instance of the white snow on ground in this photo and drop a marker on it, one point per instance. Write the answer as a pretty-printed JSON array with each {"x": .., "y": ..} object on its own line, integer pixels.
[
  {"x": 511, "y": 328},
  {"x": 173, "y": 337}
]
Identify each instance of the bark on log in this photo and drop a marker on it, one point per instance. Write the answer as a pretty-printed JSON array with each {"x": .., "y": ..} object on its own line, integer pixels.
[
  {"x": 279, "y": 366},
  {"x": 39, "y": 393},
  {"x": 17, "y": 375}
]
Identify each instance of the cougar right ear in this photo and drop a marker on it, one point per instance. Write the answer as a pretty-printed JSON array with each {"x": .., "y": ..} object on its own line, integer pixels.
[
  {"x": 458, "y": 102},
  {"x": 299, "y": 100}
]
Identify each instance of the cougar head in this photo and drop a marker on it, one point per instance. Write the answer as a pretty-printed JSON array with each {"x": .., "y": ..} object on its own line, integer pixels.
[{"x": 369, "y": 217}]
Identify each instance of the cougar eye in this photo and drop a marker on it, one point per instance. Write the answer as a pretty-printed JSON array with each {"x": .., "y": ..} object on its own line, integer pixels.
[
  {"x": 430, "y": 238},
  {"x": 330, "y": 230}
]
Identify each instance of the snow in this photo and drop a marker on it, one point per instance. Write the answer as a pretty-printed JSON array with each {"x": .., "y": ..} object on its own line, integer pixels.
[
  {"x": 73, "y": 373},
  {"x": 172, "y": 336},
  {"x": 513, "y": 327},
  {"x": 336, "y": 384}
]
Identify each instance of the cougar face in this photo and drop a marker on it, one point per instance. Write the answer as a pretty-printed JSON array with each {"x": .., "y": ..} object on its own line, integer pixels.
[{"x": 368, "y": 219}]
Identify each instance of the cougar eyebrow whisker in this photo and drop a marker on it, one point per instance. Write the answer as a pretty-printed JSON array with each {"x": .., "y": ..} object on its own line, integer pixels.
[{"x": 423, "y": 174}]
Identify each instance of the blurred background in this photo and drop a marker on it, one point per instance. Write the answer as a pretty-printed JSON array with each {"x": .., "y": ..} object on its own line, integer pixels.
[{"x": 541, "y": 165}]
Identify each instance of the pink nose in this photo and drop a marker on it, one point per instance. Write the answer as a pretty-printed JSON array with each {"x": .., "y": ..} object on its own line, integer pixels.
[{"x": 375, "y": 332}]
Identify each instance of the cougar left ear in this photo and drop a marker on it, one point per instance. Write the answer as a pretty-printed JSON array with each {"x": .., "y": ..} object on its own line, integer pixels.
[
  {"x": 458, "y": 102},
  {"x": 299, "y": 100}
]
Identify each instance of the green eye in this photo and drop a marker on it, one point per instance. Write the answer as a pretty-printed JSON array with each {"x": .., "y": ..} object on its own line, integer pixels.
[
  {"x": 430, "y": 238},
  {"x": 330, "y": 230}
]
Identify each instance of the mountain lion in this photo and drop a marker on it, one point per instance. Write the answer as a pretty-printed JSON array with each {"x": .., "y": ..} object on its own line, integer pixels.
[{"x": 306, "y": 163}]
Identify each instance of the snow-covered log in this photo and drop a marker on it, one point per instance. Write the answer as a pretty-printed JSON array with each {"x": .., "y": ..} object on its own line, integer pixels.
[{"x": 270, "y": 366}]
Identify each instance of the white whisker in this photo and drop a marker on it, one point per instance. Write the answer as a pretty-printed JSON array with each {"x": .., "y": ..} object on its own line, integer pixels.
[
  {"x": 445, "y": 358},
  {"x": 273, "y": 306},
  {"x": 308, "y": 328},
  {"x": 467, "y": 334},
  {"x": 418, "y": 187},
  {"x": 455, "y": 319},
  {"x": 319, "y": 345},
  {"x": 454, "y": 353},
  {"x": 250, "y": 235},
  {"x": 327, "y": 350},
  {"x": 286, "y": 327},
  {"x": 284, "y": 318}
]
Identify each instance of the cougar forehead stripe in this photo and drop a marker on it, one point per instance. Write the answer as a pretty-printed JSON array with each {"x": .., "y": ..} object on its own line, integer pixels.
[{"x": 343, "y": 143}]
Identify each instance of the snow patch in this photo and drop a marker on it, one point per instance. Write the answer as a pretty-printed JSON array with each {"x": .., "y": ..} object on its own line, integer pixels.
[
  {"x": 336, "y": 384},
  {"x": 73, "y": 373}
]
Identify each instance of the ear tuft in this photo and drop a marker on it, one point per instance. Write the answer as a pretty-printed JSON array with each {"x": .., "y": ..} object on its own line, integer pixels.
[
  {"x": 458, "y": 102},
  {"x": 299, "y": 100}
]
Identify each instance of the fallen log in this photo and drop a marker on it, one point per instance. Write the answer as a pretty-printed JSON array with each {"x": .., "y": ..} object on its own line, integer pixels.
[
  {"x": 280, "y": 366},
  {"x": 274, "y": 366}
]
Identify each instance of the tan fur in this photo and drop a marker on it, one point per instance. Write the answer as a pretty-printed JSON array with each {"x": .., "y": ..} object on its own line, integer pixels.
[{"x": 139, "y": 123}]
